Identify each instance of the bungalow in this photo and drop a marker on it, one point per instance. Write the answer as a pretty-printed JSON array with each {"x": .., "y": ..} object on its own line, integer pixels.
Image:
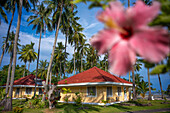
[
  {"x": 24, "y": 87},
  {"x": 95, "y": 86}
]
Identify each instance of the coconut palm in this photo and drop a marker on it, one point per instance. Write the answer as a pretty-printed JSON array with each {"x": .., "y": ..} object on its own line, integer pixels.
[
  {"x": 9, "y": 48},
  {"x": 76, "y": 40},
  {"x": 10, "y": 6},
  {"x": 57, "y": 6},
  {"x": 148, "y": 65},
  {"x": 2, "y": 12},
  {"x": 83, "y": 49},
  {"x": 40, "y": 20},
  {"x": 8, "y": 104},
  {"x": 43, "y": 65},
  {"x": 68, "y": 19},
  {"x": 28, "y": 54}
]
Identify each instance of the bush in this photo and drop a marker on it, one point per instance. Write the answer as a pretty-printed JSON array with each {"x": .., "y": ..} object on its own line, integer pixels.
[
  {"x": 78, "y": 98},
  {"x": 36, "y": 103},
  {"x": 18, "y": 110}
]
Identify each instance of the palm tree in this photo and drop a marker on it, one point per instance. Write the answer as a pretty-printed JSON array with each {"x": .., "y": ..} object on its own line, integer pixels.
[
  {"x": 76, "y": 40},
  {"x": 59, "y": 58},
  {"x": 43, "y": 65},
  {"x": 28, "y": 54},
  {"x": 40, "y": 20},
  {"x": 83, "y": 49},
  {"x": 8, "y": 104},
  {"x": 148, "y": 65},
  {"x": 10, "y": 6},
  {"x": 67, "y": 20},
  {"x": 57, "y": 7},
  {"x": 2, "y": 12},
  {"x": 9, "y": 49}
]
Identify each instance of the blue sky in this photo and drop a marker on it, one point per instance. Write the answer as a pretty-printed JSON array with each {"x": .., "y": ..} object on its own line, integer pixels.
[{"x": 87, "y": 20}]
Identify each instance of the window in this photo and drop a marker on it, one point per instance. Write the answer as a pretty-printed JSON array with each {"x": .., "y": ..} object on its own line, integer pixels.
[
  {"x": 17, "y": 91},
  {"x": 91, "y": 91},
  {"x": 40, "y": 91},
  {"x": 28, "y": 91},
  {"x": 109, "y": 92},
  {"x": 119, "y": 91}
]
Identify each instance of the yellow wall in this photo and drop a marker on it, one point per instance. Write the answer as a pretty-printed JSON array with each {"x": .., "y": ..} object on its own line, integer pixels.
[
  {"x": 22, "y": 93},
  {"x": 101, "y": 94}
]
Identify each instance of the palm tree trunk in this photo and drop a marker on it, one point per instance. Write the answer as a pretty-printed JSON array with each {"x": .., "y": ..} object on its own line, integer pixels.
[
  {"x": 8, "y": 104},
  {"x": 37, "y": 61},
  {"x": 9, "y": 72},
  {"x": 134, "y": 90},
  {"x": 54, "y": 45},
  {"x": 129, "y": 76},
  {"x": 81, "y": 64},
  {"x": 9, "y": 28},
  {"x": 60, "y": 71},
  {"x": 28, "y": 68},
  {"x": 65, "y": 54},
  {"x": 24, "y": 70},
  {"x": 149, "y": 97},
  {"x": 161, "y": 86},
  {"x": 7, "y": 83},
  {"x": 128, "y": 3},
  {"x": 74, "y": 60},
  {"x": 50, "y": 78}
]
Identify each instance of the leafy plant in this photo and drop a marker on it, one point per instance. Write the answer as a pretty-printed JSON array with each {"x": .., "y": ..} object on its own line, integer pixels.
[
  {"x": 18, "y": 110},
  {"x": 78, "y": 99}
]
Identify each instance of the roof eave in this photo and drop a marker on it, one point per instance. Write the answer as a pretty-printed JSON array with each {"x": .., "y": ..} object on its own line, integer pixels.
[
  {"x": 94, "y": 84},
  {"x": 25, "y": 86}
]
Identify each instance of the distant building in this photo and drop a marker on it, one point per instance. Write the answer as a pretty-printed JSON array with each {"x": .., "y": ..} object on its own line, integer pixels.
[{"x": 24, "y": 87}]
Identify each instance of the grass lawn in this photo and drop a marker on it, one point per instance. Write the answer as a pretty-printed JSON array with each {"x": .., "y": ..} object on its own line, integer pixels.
[{"x": 72, "y": 108}]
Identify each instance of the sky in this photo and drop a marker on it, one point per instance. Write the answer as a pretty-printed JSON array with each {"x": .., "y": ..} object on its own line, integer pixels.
[{"x": 91, "y": 26}]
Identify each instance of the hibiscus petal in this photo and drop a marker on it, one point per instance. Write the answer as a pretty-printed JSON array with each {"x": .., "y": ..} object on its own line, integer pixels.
[
  {"x": 151, "y": 43},
  {"x": 115, "y": 12},
  {"x": 104, "y": 40},
  {"x": 121, "y": 58},
  {"x": 142, "y": 14}
]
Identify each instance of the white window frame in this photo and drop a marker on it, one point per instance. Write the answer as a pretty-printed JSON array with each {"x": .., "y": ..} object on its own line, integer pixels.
[
  {"x": 111, "y": 91},
  {"x": 26, "y": 91},
  {"x": 119, "y": 93},
  {"x": 91, "y": 95}
]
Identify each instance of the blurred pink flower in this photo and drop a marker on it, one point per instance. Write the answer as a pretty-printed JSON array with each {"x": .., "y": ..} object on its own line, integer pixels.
[{"x": 127, "y": 33}]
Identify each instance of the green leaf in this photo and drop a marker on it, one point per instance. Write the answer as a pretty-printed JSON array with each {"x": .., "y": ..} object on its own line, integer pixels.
[{"x": 159, "y": 69}]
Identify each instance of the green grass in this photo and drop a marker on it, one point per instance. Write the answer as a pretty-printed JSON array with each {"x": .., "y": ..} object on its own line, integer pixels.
[{"x": 71, "y": 108}]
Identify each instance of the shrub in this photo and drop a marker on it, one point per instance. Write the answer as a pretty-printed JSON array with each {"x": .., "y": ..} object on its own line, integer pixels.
[
  {"x": 78, "y": 98},
  {"x": 36, "y": 103},
  {"x": 18, "y": 110},
  {"x": 66, "y": 99}
]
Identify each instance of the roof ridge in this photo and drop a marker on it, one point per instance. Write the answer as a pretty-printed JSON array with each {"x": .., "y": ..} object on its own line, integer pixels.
[
  {"x": 111, "y": 75},
  {"x": 101, "y": 74}
]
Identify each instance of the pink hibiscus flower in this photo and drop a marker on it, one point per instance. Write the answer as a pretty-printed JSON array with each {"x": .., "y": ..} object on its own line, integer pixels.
[{"x": 127, "y": 33}]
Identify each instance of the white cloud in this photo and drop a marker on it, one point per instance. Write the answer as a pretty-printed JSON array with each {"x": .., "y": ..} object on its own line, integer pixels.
[
  {"x": 91, "y": 25},
  {"x": 46, "y": 44},
  {"x": 4, "y": 28}
]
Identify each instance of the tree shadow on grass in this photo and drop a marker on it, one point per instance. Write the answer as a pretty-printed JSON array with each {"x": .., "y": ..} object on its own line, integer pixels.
[
  {"x": 72, "y": 108},
  {"x": 120, "y": 107}
]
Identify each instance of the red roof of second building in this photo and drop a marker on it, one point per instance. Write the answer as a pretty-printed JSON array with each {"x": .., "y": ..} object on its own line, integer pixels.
[
  {"x": 93, "y": 75},
  {"x": 27, "y": 80}
]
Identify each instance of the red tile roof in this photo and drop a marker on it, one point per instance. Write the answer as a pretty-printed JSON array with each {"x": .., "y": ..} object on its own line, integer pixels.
[
  {"x": 93, "y": 75},
  {"x": 27, "y": 80}
]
